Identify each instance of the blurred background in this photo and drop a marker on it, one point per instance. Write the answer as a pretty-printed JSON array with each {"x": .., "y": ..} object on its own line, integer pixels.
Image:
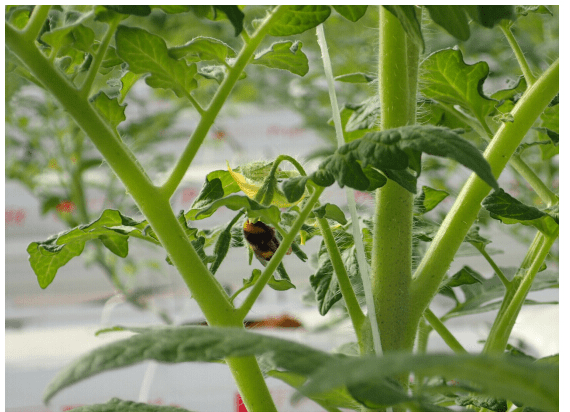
[{"x": 56, "y": 180}]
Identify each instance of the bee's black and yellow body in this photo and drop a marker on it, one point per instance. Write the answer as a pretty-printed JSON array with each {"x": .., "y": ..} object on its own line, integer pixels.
[{"x": 261, "y": 238}]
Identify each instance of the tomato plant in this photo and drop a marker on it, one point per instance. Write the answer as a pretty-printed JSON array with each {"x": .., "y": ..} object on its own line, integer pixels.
[{"x": 427, "y": 113}]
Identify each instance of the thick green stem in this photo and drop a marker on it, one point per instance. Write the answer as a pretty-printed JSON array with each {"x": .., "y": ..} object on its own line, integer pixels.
[
  {"x": 505, "y": 320},
  {"x": 217, "y": 102},
  {"x": 279, "y": 254},
  {"x": 205, "y": 289},
  {"x": 392, "y": 246},
  {"x": 446, "y": 335},
  {"x": 462, "y": 215},
  {"x": 37, "y": 19}
]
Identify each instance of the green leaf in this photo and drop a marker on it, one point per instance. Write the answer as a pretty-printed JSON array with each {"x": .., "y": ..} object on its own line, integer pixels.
[
  {"x": 48, "y": 256},
  {"x": 478, "y": 294},
  {"x": 352, "y": 13},
  {"x": 445, "y": 78},
  {"x": 237, "y": 202},
  {"x": 525, "y": 10},
  {"x": 218, "y": 184},
  {"x": 338, "y": 398},
  {"x": 118, "y": 405},
  {"x": 409, "y": 20},
  {"x": 391, "y": 149},
  {"x": 221, "y": 249},
  {"x": 331, "y": 211},
  {"x": 285, "y": 55},
  {"x": 497, "y": 405},
  {"x": 109, "y": 108},
  {"x": 355, "y": 77},
  {"x": 365, "y": 115},
  {"x": 428, "y": 199},
  {"x": 509, "y": 210},
  {"x": 74, "y": 35},
  {"x": 203, "y": 49},
  {"x": 488, "y": 16},
  {"x": 187, "y": 344},
  {"x": 451, "y": 18},
  {"x": 147, "y": 53},
  {"x": 294, "y": 188},
  {"x": 504, "y": 377},
  {"x": 298, "y": 19},
  {"x": 324, "y": 282},
  {"x": 172, "y": 9},
  {"x": 132, "y": 10}
]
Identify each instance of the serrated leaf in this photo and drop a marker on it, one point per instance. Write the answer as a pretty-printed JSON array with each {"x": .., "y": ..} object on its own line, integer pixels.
[
  {"x": 337, "y": 398},
  {"x": 445, "y": 78},
  {"x": 203, "y": 48},
  {"x": 294, "y": 188},
  {"x": 236, "y": 202},
  {"x": 501, "y": 204},
  {"x": 352, "y": 13},
  {"x": 493, "y": 404},
  {"x": 324, "y": 282},
  {"x": 71, "y": 35},
  {"x": 298, "y": 19},
  {"x": 147, "y": 53},
  {"x": 488, "y": 16},
  {"x": 48, "y": 256},
  {"x": 131, "y": 10},
  {"x": 109, "y": 108},
  {"x": 221, "y": 248},
  {"x": 452, "y": 19},
  {"x": 250, "y": 179},
  {"x": 331, "y": 211},
  {"x": 428, "y": 199},
  {"x": 118, "y": 405},
  {"x": 187, "y": 344},
  {"x": 388, "y": 152},
  {"x": 218, "y": 184},
  {"x": 509, "y": 210},
  {"x": 507, "y": 377},
  {"x": 409, "y": 21},
  {"x": 285, "y": 55},
  {"x": 478, "y": 294},
  {"x": 355, "y": 77},
  {"x": 525, "y": 10},
  {"x": 511, "y": 93},
  {"x": 365, "y": 115}
]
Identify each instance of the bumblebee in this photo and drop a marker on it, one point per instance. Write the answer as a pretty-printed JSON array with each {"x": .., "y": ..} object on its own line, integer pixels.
[{"x": 262, "y": 240}]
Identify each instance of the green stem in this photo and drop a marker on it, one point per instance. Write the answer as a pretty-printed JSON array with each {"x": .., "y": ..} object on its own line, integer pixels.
[
  {"x": 392, "y": 245},
  {"x": 279, "y": 254},
  {"x": 36, "y": 22},
  {"x": 497, "y": 269},
  {"x": 446, "y": 335},
  {"x": 360, "y": 255},
  {"x": 527, "y": 73},
  {"x": 356, "y": 315},
  {"x": 462, "y": 215},
  {"x": 153, "y": 203},
  {"x": 210, "y": 114},
  {"x": 505, "y": 321},
  {"x": 96, "y": 63}
]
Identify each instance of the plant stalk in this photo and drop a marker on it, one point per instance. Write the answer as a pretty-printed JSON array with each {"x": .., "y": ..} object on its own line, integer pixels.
[
  {"x": 209, "y": 116},
  {"x": 392, "y": 245},
  {"x": 152, "y": 202},
  {"x": 462, "y": 215},
  {"x": 360, "y": 255}
]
